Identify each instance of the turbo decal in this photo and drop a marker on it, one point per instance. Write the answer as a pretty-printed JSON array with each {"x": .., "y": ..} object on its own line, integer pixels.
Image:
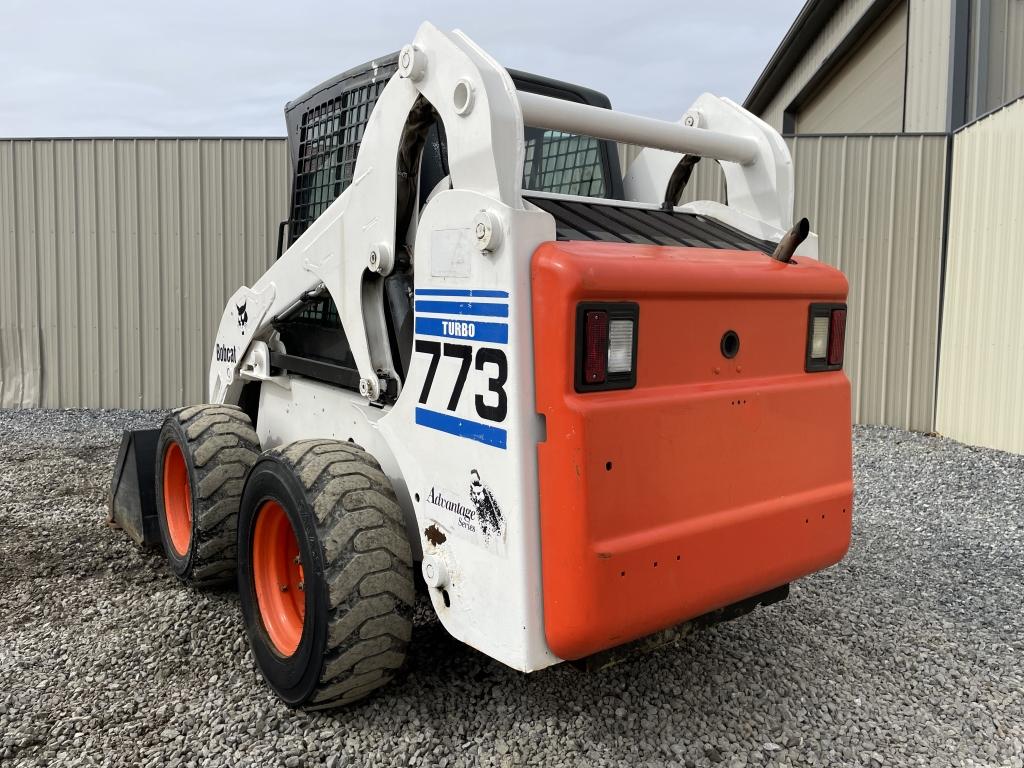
[
  {"x": 454, "y": 306},
  {"x": 491, "y": 400}
]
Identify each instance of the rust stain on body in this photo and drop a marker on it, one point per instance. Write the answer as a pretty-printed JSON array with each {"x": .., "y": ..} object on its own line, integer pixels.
[{"x": 435, "y": 535}]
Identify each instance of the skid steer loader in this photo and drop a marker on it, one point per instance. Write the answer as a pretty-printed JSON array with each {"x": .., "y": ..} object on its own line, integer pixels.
[{"x": 590, "y": 417}]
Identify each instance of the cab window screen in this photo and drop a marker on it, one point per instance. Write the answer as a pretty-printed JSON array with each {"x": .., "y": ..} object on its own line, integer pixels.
[
  {"x": 329, "y": 139},
  {"x": 563, "y": 163}
]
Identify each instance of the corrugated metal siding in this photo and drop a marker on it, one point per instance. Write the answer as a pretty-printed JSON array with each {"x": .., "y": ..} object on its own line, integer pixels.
[
  {"x": 627, "y": 154},
  {"x": 876, "y": 203},
  {"x": 928, "y": 65},
  {"x": 832, "y": 34},
  {"x": 118, "y": 257},
  {"x": 865, "y": 93},
  {"x": 706, "y": 183},
  {"x": 996, "y": 58},
  {"x": 982, "y": 367}
]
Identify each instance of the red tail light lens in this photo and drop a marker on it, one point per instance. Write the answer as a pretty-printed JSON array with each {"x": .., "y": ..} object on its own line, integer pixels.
[
  {"x": 837, "y": 337},
  {"x": 595, "y": 348}
]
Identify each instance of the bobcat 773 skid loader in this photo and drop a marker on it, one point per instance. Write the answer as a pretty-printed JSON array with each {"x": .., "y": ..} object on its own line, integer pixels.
[{"x": 590, "y": 417}]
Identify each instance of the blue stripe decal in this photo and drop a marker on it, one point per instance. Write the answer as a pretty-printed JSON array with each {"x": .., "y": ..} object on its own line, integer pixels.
[
  {"x": 473, "y": 293},
  {"x": 463, "y": 308},
  {"x": 453, "y": 425},
  {"x": 470, "y": 330}
]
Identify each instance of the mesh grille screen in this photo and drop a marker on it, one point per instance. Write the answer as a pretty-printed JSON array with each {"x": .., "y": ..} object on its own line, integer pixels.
[
  {"x": 319, "y": 311},
  {"x": 565, "y": 164},
  {"x": 329, "y": 139},
  {"x": 330, "y": 134}
]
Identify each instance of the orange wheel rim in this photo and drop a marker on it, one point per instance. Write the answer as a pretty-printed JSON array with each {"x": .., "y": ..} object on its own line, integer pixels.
[
  {"x": 278, "y": 576},
  {"x": 177, "y": 499}
]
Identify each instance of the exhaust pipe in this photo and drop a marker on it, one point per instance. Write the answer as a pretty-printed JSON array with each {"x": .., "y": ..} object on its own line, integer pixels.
[{"x": 791, "y": 241}]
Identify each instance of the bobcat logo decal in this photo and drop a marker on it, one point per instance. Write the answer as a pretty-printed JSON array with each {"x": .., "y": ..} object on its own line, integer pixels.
[
  {"x": 488, "y": 513},
  {"x": 243, "y": 315}
]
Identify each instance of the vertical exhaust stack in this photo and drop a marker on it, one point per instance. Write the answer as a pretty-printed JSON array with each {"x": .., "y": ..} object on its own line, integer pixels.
[{"x": 791, "y": 241}]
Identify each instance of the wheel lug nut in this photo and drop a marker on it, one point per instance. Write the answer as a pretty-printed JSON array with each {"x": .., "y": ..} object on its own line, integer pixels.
[
  {"x": 284, "y": 587},
  {"x": 302, "y": 585}
]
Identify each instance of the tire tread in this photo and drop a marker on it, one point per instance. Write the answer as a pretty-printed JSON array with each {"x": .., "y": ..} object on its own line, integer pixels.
[
  {"x": 224, "y": 447},
  {"x": 367, "y": 568}
]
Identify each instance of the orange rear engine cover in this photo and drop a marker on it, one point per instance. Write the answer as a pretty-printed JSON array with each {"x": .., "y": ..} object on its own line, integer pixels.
[{"x": 714, "y": 479}]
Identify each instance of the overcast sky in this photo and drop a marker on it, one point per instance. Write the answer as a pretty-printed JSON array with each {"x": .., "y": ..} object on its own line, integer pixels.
[{"x": 193, "y": 68}]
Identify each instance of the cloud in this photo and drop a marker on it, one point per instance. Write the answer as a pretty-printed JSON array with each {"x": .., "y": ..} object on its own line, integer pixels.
[{"x": 228, "y": 68}]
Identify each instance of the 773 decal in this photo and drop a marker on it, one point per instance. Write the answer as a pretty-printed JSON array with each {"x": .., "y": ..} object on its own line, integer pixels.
[{"x": 492, "y": 405}]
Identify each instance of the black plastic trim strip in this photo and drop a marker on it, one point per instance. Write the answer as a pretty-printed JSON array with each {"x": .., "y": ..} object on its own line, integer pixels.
[{"x": 339, "y": 375}]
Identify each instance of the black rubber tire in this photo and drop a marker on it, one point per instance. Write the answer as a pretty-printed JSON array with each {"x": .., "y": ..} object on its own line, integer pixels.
[
  {"x": 357, "y": 571},
  {"x": 219, "y": 446}
]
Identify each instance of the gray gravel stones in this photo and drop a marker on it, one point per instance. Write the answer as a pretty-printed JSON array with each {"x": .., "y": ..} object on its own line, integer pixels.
[{"x": 911, "y": 652}]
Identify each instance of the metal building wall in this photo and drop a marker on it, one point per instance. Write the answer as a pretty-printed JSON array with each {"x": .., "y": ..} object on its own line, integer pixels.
[
  {"x": 876, "y": 203},
  {"x": 116, "y": 258},
  {"x": 996, "y": 60},
  {"x": 824, "y": 46},
  {"x": 865, "y": 93},
  {"x": 706, "y": 183},
  {"x": 982, "y": 368},
  {"x": 928, "y": 41}
]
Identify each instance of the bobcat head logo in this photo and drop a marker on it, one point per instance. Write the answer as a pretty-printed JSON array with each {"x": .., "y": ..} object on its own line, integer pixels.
[{"x": 243, "y": 316}]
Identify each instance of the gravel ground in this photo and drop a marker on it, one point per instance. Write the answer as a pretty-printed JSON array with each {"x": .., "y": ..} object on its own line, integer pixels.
[{"x": 908, "y": 653}]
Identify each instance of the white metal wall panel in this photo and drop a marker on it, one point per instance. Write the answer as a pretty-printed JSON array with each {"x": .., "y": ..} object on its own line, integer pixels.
[
  {"x": 865, "y": 93},
  {"x": 928, "y": 41},
  {"x": 876, "y": 203},
  {"x": 117, "y": 256},
  {"x": 982, "y": 367},
  {"x": 832, "y": 34}
]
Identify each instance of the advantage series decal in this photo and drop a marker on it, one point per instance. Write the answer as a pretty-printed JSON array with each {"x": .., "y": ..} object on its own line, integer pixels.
[
  {"x": 478, "y": 519},
  {"x": 470, "y": 315}
]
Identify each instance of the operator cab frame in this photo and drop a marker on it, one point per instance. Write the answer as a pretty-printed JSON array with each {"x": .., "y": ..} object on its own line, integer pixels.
[{"x": 325, "y": 128}]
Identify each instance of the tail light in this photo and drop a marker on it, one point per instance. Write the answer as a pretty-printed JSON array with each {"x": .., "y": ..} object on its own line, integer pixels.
[
  {"x": 826, "y": 337},
  {"x": 606, "y": 339},
  {"x": 595, "y": 346}
]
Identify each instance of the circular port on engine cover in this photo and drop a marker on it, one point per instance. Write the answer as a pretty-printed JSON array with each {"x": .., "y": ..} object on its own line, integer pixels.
[{"x": 730, "y": 344}]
